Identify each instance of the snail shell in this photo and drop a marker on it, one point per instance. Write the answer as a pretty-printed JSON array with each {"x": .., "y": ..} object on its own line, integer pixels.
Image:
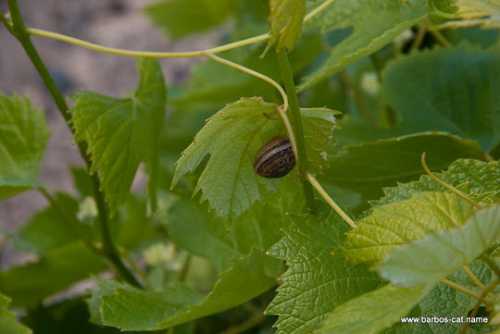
[{"x": 275, "y": 159}]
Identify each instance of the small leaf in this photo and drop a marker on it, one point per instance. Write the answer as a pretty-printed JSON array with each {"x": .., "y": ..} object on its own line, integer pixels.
[
  {"x": 316, "y": 281},
  {"x": 180, "y": 18},
  {"x": 128, "y": 308},
  {"x": 286, "y": 17},
  {"x": 23, "y": 137},
  {"x": 122, "y": 133},
  {"x": 370, "y": 25},
  {"x": 8, "y": 321},
  {"x": 460, "y": 98},
  {"x": 373, "y": 311},
  {"x": 438, "y": 255},
  {"x": 232, "y": 138},
  {"x": 392, "y": 225}
]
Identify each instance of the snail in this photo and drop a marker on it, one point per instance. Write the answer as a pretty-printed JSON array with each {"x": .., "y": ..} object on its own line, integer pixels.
[{"x": 275, "y": 159}]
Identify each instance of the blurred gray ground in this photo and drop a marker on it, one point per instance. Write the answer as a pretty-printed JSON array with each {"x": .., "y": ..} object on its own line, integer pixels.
[{"x": 117, "y": 23}]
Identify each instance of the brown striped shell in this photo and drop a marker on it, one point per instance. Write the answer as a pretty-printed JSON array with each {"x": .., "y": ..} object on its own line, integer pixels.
[{"x": 275, "y": 159}]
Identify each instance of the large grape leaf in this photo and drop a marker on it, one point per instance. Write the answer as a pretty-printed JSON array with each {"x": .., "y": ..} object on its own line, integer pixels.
[
  {"x": 127, "y": 308},
  {"x": 368, "y": 167},
  {"x": 8, "y": 321},
  {"x": 374, "y": 311},
  {"x": 232, "y": 138},
  {"x": 317, "y": 280},
  {"x": 286, "y": 17},
  {"x": 392, "y": 225},
  {"x": 122, "y": 133},
  {"x": 23, "y": 137},
  {"x": 460, "y": 97},
  {"x": 444, "y": 252},
  {"x": 180, "y": 18},
  {"x": 371, "y": 25},
  {"x": 478, "y": 179}
]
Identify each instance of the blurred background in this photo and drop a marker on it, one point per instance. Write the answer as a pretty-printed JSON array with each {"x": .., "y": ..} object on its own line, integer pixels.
[{"x": 117, "y": 23}]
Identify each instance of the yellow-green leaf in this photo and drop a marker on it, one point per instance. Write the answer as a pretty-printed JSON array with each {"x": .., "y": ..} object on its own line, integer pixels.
[{"x": 286, "y": 20}]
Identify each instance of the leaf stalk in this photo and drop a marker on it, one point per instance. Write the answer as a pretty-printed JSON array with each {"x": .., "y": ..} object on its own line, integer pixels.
[
  {"x": 322, "y": 192},
  {"x": 296, "y": 123}
]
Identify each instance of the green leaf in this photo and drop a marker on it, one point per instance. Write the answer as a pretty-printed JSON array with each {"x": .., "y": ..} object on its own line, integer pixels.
[
  {"x": 212, "y": 85},
  {"x": 180, "y": 18},
  {"x": 56, "y": 270},
  {"x": 66, "y": 316},
  {"x": 193, "y": 229},
  {"x": 317, "y": 280},
  {"x": 444, "y": 301},
  {"x": 128, "y": 308},
  {"x": 8, "y": 321},
  {"x": 478, "y": 179},
  {"x": 444, "y": 6},
  {"x": 392, "y": 225},
  {"x": 52, "y": 227},
  {"x": 371, "y": 24},
  {"x": 373, "y": 311},
  {"x": 368, "y": 167},
  {"x": 133, "y": 226},
  {"x": 440, "y": 254},
  {"x": 232, "y": 138},
  {"x": 286, "y": 17},
  {"x": 23, "y": 137},
  {"x": 460, "y": 98},
  {"x": 319, "y": 125},
  {"x": 487, "y": 7},
  {"x": 122, "y": 133}
]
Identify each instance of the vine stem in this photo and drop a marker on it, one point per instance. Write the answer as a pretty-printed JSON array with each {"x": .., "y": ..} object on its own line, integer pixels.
[
  {"x": 492, "y": 264},
  {"x": 459, "y": 193},
  {"x": 163, "y": 55},
  {"x": 473, "y": 277},
  {"x": 482, "y": 296},
  {"x": 423, "y": 161},
  {"x": 282, "y": 110},
  {"x": 460, "y": 288},
  {"x": 18, "y": 30},
  {"x": 322, "y": 192},
  {"x": 440, "y": 37},
  {"x": 318, "y": 10},
  {"x": 253, "y": 73},
  {"x": 296, "y": 123}
]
